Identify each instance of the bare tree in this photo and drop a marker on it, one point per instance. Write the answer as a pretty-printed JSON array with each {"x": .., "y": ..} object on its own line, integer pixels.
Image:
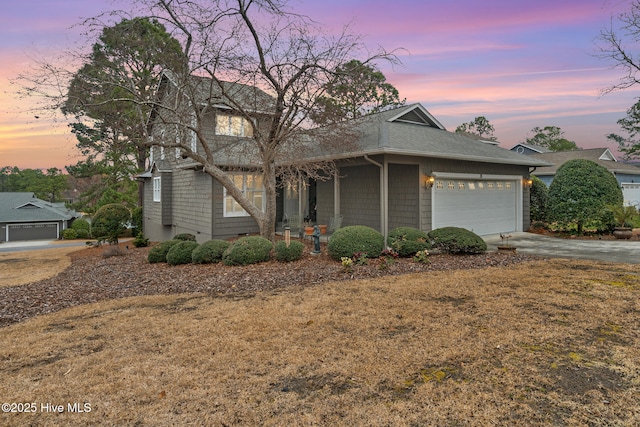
[
  {"x": 618, "y": 43},
  {"x": 255, "y": 57},
  {"x": 270, "y": 67}
]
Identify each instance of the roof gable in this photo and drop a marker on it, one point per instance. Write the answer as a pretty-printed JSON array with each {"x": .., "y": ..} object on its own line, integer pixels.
[{"x": 416, "y": 114}]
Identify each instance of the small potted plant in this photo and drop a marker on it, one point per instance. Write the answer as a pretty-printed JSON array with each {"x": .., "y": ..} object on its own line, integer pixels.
[
  {"x": 623, "y": 216},
  {"x": 308, "y": 228}
]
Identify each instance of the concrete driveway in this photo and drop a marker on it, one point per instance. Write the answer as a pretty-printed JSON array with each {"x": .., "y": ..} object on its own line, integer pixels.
[
  {"x": 37, "y": 245},
  {"x": 626, "y": 251}
]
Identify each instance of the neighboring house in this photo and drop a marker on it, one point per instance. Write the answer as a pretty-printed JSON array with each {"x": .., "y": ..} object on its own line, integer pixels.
[
  {"x": 529, "y": 149},
  {"x": 628, "y": 175},
  {"x": 24, "y": 217},
  {"x": 404, "y": 170}
]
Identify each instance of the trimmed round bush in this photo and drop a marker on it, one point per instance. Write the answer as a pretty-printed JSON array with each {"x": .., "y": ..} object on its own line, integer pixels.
[
  {"x": 407, "y": 241},
  {"x": 347, "y": 241},
  {"x": 185, "y": 236},
  {"x": 456, "y": 240},
  {"x": 158, "y": 253},
  {"x": 81, "y": 225},
  {"x": 291, "y": 253},
  {"x": 210, "y": 251},
  {"x": 69, "y": 234},
  {"x": 180, "y": 253},
  {"x": 248, "y": 250}
]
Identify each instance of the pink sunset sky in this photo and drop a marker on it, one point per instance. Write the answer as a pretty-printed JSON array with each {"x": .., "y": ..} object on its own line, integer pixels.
[{"x": 519, "y": 64}]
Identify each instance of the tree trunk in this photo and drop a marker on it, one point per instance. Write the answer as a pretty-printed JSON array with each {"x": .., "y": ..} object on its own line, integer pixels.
[{"x": 268, "y": 224}]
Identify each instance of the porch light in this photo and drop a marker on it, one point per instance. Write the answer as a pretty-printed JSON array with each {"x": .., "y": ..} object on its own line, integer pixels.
[
  {"x": 428, "y": 181},
  {"x": 527, "y": 182}
]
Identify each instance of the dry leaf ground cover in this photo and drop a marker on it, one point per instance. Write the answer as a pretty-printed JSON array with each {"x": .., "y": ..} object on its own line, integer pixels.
[{"x": 538, "y": 342}]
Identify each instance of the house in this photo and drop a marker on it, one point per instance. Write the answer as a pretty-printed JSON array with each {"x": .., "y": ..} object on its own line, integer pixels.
[
  {"x": 25, "y": 217},
  {"x": 628, "y": 175},
  {"x": 405, "y": 169},
  {"x": 529, "y": 149}
]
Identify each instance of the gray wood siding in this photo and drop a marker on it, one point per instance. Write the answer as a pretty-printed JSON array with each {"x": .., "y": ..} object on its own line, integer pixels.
[
  {"x": 404, "y": 183},
  {"x": 360, "y": 196},
  {"x": 192, "y": 203},
  {"x": 324, "y": 197},
  {"x": 166, "y": 198},
  {"x": 152, "y": 216},
  {"x": 224, "y": 228}
]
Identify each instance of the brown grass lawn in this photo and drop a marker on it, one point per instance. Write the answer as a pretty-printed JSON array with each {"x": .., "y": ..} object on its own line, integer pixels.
[
  {"x": 20, "y": 268},
  {"x": 539, "y": 343}
]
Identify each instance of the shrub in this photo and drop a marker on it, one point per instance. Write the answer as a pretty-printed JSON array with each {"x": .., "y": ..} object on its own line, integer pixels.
[
  {"x": 356, "y": 238},
  {"x": 209, "y": 252},
  {"x": 83, "y": 234},
  {"x": 158, "y": 253},
  {"x": 579, "y": 194},
  {"x": 457, "y": 240},
  {"x": 248, "y": 250},
  {"x": 82, "y": 227},
  {"x": 110, "y": 221},
  {"x": 185, "y": 236},
  {"x": 140, "y": 241},
  {"x": 291, "y": 253},
  {"x": 407, "y": 241},
  {"x": 181, "y": 253},
  {"x": 538, "y": 196},
  {"x": 136, "y": 221},
  {"x": 69, "y": 234}
]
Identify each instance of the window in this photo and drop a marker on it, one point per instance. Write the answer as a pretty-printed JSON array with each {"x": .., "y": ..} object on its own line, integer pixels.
[
  {"x": 157, "y": 187},
  {"x": 439, "y": 185},
  {"x": 251, "y": 186},
  {"x": 472, "y": 186},
  {"x": 507, "y": 186},
  {"x": 499, "y": 186},
  {"x": 460, "y": 185},
  {"x": 233, "y": 125}
]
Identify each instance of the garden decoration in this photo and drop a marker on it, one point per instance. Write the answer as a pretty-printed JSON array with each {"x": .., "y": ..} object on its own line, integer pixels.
[{"x": 316, "y": 239}]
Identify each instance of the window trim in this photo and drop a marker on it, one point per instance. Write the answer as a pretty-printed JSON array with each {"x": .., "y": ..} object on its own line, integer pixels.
[
  {"x": 157, "y": 189},
  {"x": 241, "y": 213}
]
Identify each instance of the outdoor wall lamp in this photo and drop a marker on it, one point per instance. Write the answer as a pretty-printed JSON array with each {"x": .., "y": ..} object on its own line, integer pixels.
[
  {"x": 428, "y": 181},
  {"x": 528, "y": 182}
]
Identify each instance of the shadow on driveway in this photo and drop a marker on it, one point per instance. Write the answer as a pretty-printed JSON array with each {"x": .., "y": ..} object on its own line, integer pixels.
[{"x": 625, "y": 251}]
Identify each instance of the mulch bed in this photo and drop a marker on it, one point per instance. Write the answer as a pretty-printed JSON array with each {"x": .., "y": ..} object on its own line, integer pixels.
[{"x": 96, "y": 275}]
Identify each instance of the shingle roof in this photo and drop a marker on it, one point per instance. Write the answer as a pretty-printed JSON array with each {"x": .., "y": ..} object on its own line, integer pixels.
[
  {"x": 25, "y": 207},
  {"x": 389, "y": 133},
  {"x": 601, "y": 156}
]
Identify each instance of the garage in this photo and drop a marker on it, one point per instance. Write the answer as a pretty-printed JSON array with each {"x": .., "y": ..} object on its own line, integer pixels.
[
  {"x": 631, "y": 193},
  {"x": 37, "y": 231},
  {"x": 487, "y": 205}
]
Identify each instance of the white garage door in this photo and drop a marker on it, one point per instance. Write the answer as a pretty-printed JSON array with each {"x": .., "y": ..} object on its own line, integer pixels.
[
  {"x": 482, "y": 206},
  {"x": 631, "y": 194}
]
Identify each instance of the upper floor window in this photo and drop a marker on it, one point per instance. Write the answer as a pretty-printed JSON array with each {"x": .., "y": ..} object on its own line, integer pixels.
[
  {"x": 157, "y": 187},
  {"x": 227, "y": 124}
]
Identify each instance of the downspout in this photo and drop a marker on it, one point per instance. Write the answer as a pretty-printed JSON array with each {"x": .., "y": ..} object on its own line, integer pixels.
[{"x": 383, "y": 197}]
